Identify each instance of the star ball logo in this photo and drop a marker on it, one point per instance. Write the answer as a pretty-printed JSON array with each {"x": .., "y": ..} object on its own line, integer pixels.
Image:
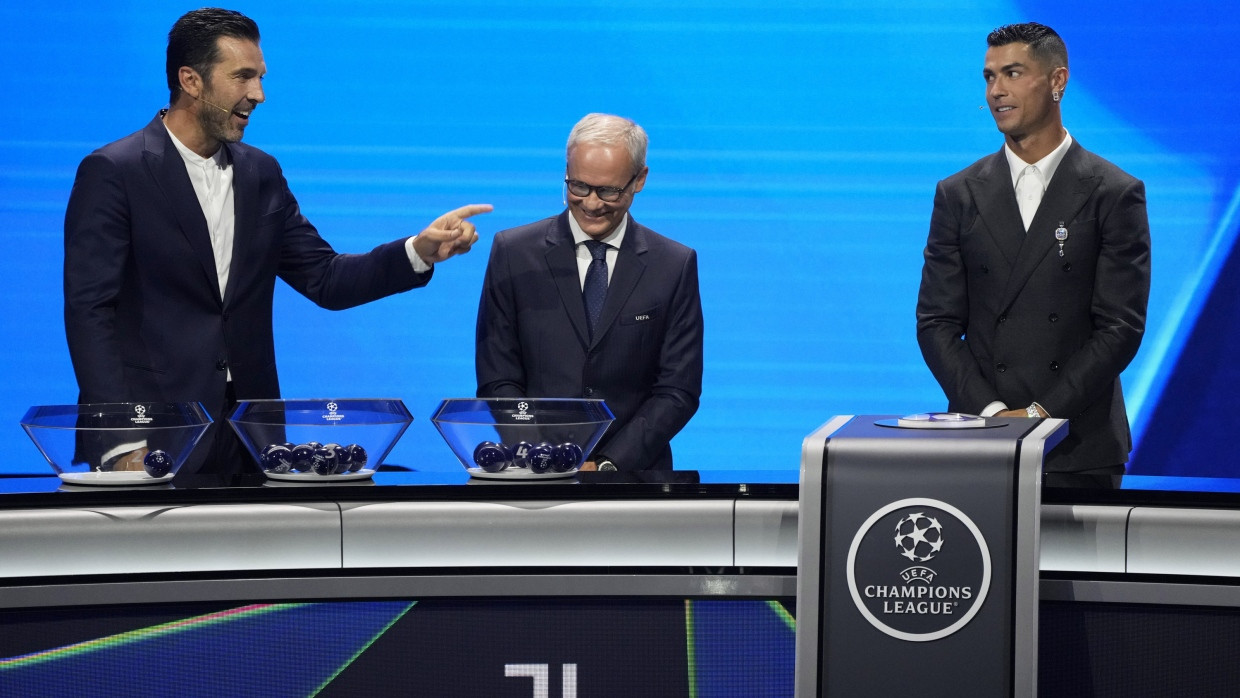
[
  {"x": 140, "y": 415},
  {"x": 932, "y": 582},
  {"x": 522, "y": 415},
  {"x": 332, "y": 415}
]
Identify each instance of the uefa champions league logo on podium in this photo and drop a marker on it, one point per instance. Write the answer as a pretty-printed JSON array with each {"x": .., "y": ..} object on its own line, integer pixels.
[{"x": 921, "y": 602}]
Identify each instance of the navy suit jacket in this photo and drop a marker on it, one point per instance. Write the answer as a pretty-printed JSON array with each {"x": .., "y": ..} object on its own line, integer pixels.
[
  {"x": 1002, "y": 316},
  {"x": 646, "y": 357},
  {"x": 144, "y": 316}
]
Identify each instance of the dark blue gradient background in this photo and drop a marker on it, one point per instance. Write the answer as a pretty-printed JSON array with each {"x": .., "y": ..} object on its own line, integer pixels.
[{"x": 795, "y": 145}]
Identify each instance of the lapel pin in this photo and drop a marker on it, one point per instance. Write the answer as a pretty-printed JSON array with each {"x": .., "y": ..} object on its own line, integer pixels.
[{"x": 1061, "y": 234}]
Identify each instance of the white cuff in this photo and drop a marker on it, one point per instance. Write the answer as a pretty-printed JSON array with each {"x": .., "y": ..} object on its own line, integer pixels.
[
  {"x": 419, "y": 265},
  {"x": 993, "y": 409}
]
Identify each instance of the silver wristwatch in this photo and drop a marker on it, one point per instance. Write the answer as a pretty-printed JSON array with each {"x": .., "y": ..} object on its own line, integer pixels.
[
  {"x": 605, "y": 466},
  {"x": 1032, "y": 412}
]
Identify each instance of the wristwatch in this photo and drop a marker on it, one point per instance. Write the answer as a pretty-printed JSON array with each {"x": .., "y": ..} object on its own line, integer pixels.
[
  {"x": 1032, "y": 411},
  {"x": 605, "y": 465}
]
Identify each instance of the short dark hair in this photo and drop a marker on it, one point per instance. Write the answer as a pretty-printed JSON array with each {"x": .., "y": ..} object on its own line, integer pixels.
[
  {"x": 1045, "y": 45},
  {"x": 193, "y": 41}
]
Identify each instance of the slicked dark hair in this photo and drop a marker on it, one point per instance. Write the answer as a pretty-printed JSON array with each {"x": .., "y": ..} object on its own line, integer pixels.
[
  {"x": 193, "y": 41},
  {"x": 1045, "y": 45}
]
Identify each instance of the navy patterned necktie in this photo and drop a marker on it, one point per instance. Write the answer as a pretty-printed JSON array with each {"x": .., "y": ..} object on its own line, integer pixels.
[{"x": 594, "y": 291}]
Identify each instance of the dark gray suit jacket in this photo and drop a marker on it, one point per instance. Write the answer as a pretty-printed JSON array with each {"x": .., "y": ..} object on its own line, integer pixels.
[
  {"x": 646, "y": 357},
  {"x": 1001, "y": 316},
  {"x": 144, "y": 317}
]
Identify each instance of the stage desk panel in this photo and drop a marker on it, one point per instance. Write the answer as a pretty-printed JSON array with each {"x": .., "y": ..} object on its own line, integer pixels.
[{"x": 698, "y": 560}]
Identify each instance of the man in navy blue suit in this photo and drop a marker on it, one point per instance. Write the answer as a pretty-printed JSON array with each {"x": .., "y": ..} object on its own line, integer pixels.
[
  {"x": 174, "y": 237},
  {"x": 592, "y": 304}
]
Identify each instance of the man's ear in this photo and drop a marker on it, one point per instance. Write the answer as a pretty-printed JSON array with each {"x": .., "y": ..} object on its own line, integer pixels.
[{"x": 191, "y": 81}]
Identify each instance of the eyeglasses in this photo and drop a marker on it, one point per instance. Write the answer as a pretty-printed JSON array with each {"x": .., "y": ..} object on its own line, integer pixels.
[{"x": 607, "y": 194}]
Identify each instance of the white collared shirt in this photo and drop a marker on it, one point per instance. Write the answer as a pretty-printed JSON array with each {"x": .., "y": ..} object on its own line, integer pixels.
[
  {"x": 1043, "y": 169},
  {"x": 583, "y": 252}
]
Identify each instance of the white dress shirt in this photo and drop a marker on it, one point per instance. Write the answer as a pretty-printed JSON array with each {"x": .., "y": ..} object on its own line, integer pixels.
[{"x": 584, "y": 257}]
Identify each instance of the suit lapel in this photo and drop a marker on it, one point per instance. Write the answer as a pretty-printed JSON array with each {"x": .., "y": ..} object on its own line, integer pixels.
[
  {"x": 1067, "y": 193},
  {"x": 629, "y": 270},
  {"x": 996, "y": 204},
  {"x": 562, "y": 265},
  {"x": 245, "y": 218},
  {"x": 167, "y": 168}
]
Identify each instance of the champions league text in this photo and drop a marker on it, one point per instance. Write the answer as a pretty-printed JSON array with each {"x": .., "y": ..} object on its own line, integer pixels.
[{"x": 930, "y": 600}]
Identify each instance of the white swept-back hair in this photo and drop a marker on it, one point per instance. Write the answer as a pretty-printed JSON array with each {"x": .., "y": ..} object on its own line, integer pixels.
[{"x": 609, "y": 129}]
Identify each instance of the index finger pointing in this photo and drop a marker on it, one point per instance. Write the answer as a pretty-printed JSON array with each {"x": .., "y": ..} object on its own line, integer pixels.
[{"x": 470, "y": 210}]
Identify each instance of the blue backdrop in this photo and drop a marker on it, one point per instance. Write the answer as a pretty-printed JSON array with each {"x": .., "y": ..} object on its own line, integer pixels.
[{"x": 795, "y": 145}]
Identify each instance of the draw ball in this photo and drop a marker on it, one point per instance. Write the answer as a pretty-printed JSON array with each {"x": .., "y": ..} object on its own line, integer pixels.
[
  {"x": 566, "y": 457},
  {"x": 541, "y": 457},
  {"x": 357, "y": 457},
  {"x": 157, "y": 463},
  {"x": 491, "y": 457},
  {"x": 330, "y": 460},
  {"x": 277, "y": 458},
  {"x": 521, "y": 454},
  {"x": 303, "y": 457}
]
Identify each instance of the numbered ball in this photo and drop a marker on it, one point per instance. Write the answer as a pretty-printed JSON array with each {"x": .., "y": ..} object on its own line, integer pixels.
[
  {"x": 541, "y": 457},
  {"x": 521, "y": 454},
  {"x": 327, "y": 461},
  {"x": 276, "y": 458},
  {"x": 492, "y": 457},
  {"x": 357, "y": 457},
  {"x": 157, "y": 463},
  {"x": 566, "y": 457}
]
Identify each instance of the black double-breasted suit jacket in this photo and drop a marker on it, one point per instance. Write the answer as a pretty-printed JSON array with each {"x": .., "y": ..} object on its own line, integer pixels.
[{"x": 1002, "y": 316}]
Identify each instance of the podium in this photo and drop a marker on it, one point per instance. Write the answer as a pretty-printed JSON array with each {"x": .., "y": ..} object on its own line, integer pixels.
[{"x": 918, "y": 557}]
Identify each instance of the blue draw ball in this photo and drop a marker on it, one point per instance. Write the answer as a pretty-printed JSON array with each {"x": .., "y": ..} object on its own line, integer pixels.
[
  {"x": 326, "y": 460},
  {"x": 357, "y": 457},
  {"x": 492, "y": 457},
  {"x": 157, "y": 463},
  {"x": 566, "y": 457},
  {"x": 303, "y": 458},
  {"x": 276, "y": 458},
  {"x": 521, "y": 454},
  {"x": 541, "y": 457}
]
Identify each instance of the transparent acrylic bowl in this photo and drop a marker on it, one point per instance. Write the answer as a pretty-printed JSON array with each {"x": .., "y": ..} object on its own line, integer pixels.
[
  {"x": 328, "y": 428},
  {"x": 522, "y": 438},
  {"x": 116, "y": 443}
]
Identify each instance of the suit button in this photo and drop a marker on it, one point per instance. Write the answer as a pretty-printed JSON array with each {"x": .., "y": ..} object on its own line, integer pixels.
[
  {"x": 1067, "y": 266},
  {"x": 1054, "y": 365},
  {"x": 221, "y": 365},
  {"x": 1000, "y": 367},
  {"x": 589, "y": 392},
  {"x": 1003, "y": 318},
  {"x": 1054, "y": 317},
  {"x": 985, "y": 269}
]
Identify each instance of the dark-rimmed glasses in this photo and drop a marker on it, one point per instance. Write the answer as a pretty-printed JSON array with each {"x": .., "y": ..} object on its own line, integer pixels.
[{"x": 607, "y": 194}]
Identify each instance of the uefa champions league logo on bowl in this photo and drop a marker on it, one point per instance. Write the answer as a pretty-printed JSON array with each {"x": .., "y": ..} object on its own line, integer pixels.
[
  {"x": 943, "y": 588},
  {"x": 521, "y": 415},
  {"x": 332, "y": 415},
  {"x": 140, "y": 415}
]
